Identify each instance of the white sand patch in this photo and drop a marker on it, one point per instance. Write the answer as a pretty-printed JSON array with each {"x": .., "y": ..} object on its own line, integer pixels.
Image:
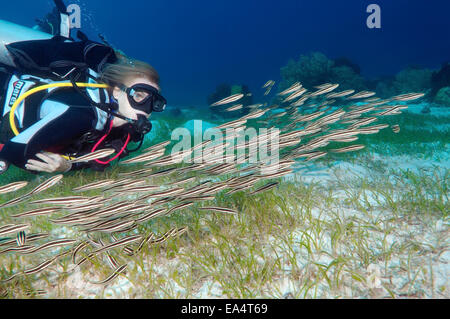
[
  {"x": 210, "y": 289},
  {"x": 122, "y": 289},
  {"x": 76, "y": 286}
]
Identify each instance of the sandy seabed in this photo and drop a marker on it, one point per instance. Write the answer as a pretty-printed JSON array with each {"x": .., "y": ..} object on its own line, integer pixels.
[
  {"x": 420, "y": 275},
  {"x": 421, "y": 272}
]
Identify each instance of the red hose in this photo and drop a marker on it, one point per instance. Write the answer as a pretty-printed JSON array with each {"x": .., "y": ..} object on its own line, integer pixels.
[{"x": 101, "y": 140}]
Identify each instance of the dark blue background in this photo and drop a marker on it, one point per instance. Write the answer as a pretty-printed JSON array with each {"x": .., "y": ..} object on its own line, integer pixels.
[{"x": 197, "y": 44}]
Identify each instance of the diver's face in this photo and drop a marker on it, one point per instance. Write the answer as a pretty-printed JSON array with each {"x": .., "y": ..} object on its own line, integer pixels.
[{"x": 125, "y": 108}]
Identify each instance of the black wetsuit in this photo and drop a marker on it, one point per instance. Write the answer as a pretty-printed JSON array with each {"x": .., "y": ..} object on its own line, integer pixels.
[{"x": 59, "y": 121}]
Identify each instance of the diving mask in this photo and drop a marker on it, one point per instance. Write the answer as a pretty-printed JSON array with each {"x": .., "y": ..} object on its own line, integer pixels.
[{"x": 145, "y": 98}]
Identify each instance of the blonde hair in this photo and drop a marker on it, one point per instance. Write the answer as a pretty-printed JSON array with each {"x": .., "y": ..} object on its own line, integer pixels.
[{"x": 125, "y": 68}]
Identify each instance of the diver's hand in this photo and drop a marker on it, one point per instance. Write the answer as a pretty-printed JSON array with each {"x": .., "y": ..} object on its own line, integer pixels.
[{"x": 51, "y": 163}]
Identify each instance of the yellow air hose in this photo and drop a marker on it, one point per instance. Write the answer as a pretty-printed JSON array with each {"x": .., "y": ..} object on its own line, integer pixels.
[{"x": 44, "y": 87}]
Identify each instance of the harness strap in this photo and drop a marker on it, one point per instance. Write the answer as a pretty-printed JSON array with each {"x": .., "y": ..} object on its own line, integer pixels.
[{"x": 32, "y": 108}]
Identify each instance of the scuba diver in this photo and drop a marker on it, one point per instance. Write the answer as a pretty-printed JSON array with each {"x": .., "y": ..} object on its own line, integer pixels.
[{"x": 60, "y": 99}]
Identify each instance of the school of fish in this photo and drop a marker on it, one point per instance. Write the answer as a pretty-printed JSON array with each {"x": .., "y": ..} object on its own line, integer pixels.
[{"x": 304, "y": 119}]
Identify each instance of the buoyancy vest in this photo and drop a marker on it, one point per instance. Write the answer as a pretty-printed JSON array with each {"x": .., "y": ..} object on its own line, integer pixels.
[{"x": 27, "y": 112}]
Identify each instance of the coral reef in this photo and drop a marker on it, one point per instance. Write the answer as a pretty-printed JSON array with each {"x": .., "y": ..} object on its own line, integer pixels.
[
  {"x": 347, "y": 78},
  {"x": 411, "y": 79},
  {"x": 344, "y": 61},
  {"x": 385, "y": 88},
  {"x": 310, "y": 70},
  {"x": 224, "y": 90},
  {"x": 443, "y": 96},
  {"x": 315, "y": 69},
  {"x": 440, "y": 79}
]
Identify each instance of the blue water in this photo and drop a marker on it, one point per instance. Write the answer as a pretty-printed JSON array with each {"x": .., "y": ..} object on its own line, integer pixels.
[{"x": 196, "y": 45}]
